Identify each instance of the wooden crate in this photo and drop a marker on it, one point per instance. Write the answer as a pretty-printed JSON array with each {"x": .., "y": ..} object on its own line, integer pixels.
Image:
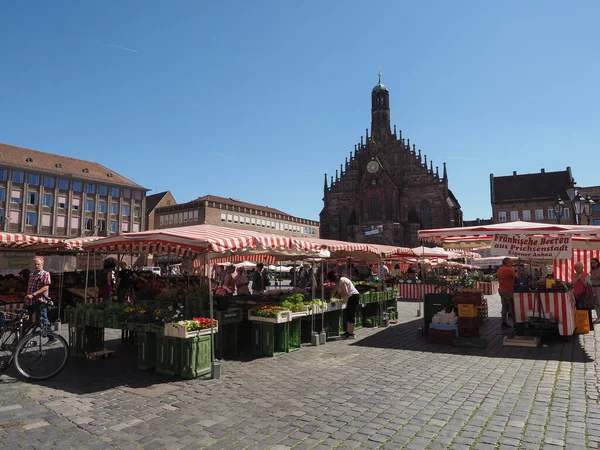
[
  {"x": 582, "y": 321},
  {"x": 466, "y": 310}
]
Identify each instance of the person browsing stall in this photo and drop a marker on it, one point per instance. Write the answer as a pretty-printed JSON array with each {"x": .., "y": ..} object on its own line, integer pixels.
[
  {"x": 37, "y": 293},
  {"x": 259, "y": 280},
  {"x": 506, "y": 288},
  {"x": 228, "y": 282},
  {"x": 241, "y": 282},
  {"x": 595, "y": 278},
  {"x": 581, "y": 282},
  {"x": 346, "y": 289}
]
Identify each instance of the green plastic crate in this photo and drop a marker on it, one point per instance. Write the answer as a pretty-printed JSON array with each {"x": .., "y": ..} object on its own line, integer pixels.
[
  {"x": 433, "y": 303},
  {"x": 114, "y": 322},
  {"x": 294, "y": 336},
  {"x": 470, "y": 342},
  {"x": 168, "y": 355},
  {"x": 85, "y": 339},
  {"x": 71, "y": 315},
  {"x": 195, "y": 356},
  {"x": 270, "y": 339},
  {"x": 226, "y": 341},
  {"x": 158, "y": 329},
  {"x": 233, "y": 315},
  {"x": 137, "y": 327},
  {"x": 334, "y": 323},
  {"x": 146, "y": 350},
  {"x": 358, "y": 319},
  {"x": 365, "y": 298},
  {"x": 372, "y": 321}
]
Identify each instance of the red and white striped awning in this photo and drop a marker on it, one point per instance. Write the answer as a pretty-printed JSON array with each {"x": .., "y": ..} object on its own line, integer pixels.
[
  {"x": 19, "y": 240},
  {"x": 77, "y": 243},
  {"x": 362, "y": 251},
  {"x": 257, "y": 258},
  {"x": 191, "y": 241},
  {"x": 458, "y": 234}
]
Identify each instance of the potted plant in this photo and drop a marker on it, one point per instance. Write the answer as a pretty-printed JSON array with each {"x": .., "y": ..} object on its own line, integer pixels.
[{"x": 270, "y": 313}]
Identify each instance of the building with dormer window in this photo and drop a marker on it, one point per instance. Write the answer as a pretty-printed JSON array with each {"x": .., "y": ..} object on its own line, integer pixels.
[
  {"x": 386, "y": 190},
  {"x": 53, "y": 195}
]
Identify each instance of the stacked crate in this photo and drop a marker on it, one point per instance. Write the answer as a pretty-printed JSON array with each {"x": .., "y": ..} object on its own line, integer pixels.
[{"x": 468, "y": 303}]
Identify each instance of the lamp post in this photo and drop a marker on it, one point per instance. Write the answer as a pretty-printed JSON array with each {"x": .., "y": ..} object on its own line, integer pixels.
[
  {"x": 559, "y": 209},
  {"x": 588, "y": 208}
]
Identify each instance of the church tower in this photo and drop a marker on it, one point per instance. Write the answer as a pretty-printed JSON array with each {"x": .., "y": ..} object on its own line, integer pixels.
[{"x": 380, "y": 112}]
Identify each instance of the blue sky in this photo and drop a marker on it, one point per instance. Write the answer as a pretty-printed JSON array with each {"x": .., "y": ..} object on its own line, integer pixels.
[{"x": 257, "y": 100}]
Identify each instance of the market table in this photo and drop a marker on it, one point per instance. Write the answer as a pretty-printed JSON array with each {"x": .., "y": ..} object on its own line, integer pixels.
[
  {"x": 415, "y": 290},
  {"x": 560, "y": 305}
]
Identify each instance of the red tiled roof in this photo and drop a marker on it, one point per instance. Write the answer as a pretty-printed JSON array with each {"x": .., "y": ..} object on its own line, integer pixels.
[
  {"x": 35, "y": 160},
  {"x": 542, "y": 185}
]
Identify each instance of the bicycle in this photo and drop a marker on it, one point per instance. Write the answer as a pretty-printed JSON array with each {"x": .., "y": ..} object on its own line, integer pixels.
[{"x": 26, "y": 343}]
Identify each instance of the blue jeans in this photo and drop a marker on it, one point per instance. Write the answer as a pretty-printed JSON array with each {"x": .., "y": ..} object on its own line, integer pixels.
[{"x": 43, "y": 309}]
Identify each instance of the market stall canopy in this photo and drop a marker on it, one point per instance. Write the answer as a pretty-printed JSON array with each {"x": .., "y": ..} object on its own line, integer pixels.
[
  {"x": 362, "y": 251},
  {"x": 434, "y": 252},
  {"x": 77, "y": 243},
  {"x": 440, "y": 235},
  {"x": 19, "y": 240},
  {"x": 245, "y": 264},
  {"x": 211, "y": 240}
]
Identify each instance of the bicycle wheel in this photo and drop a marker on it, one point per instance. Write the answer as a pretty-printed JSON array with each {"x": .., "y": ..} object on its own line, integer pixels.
[
  {"x": 8, "y": 342},
  {"x": 37, "y": 360}
]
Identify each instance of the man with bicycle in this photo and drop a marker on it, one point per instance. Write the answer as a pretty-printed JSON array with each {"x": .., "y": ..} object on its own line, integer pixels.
[{"x": 37, "y": 294}]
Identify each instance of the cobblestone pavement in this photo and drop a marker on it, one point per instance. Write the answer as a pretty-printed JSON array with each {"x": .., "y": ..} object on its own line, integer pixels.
[{"x": 387, "y": 389}]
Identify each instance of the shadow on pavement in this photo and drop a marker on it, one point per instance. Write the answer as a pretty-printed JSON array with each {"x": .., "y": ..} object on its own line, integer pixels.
[
  {"x": 85, "y": 376},
  {"x": 406, "y": 336}
]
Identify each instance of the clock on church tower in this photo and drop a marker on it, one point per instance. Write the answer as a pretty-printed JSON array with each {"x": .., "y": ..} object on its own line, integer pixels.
[{"x": 373, "y": 166}]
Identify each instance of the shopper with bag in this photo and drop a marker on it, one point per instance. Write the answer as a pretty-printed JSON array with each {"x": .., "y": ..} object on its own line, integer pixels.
[
  {"x": 585, "y": 298},
  {"x": 595, "y": 277}
]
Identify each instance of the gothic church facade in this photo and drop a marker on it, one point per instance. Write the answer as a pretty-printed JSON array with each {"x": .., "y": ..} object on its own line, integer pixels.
[{"x": 386, "y": 191}]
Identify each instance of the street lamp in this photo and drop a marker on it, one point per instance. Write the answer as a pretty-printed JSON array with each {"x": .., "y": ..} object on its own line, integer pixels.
[
  {"x": 588, "y": 208},
  {"x": 578, "y": 206},
  {"x": 559, "y": 209}
]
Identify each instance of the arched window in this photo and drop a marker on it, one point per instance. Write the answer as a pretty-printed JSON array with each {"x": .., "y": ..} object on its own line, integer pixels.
[
  {"x": 343, "y": 225},
  {"x": 374, "y": 208},
  {"x": 425, "y": 215},
  {"x": 389, "y": 207}
]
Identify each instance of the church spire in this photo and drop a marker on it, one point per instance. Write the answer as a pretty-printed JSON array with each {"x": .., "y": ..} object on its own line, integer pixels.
[
  {"x": 445, "y": 174},
  {"x": 380, "y": 112},
  {"x": 325, "y": 185}
]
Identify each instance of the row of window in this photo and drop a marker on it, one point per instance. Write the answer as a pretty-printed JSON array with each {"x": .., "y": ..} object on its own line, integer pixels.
[
  {"x": 526, "y": 215},
  {"x": 177, "y": 218},
  {"x": 252, "y": 221},
  {"x": 31, "y": 218},
  {"x": 48, "y": 200},
  {"x": 18, "y": 176}
]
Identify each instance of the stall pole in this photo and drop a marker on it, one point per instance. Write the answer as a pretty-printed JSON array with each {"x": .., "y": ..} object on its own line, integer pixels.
[
  {"x": 294, "y": 275},
  {"x": 87, "y": 270},
  {"x": 215, "y": 364},
  {"x": 323, "y": 334},
  {"x": 314, "y": 336},
  {"x": 422, "y": 278}
]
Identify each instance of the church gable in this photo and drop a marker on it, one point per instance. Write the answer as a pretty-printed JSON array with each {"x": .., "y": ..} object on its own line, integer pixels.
[{"x": 386, "y": 181}]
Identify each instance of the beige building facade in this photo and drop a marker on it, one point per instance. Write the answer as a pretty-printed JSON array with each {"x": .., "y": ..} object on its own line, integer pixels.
[
  {"x": 52, "y": 195},
  {"x": 229, "y": 212}
]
